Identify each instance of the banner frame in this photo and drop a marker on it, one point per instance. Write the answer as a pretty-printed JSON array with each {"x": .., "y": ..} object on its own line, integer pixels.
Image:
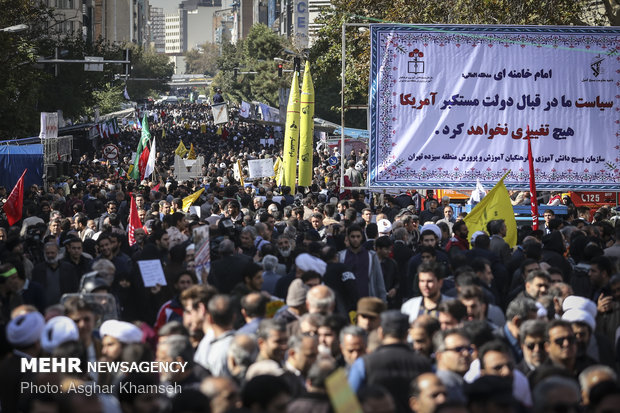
[{"x": 474, "y": 31}]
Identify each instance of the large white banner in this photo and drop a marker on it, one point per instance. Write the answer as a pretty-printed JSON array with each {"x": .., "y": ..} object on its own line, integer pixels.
[
  {"x": 452, "y": 104},
  {"x": 260, "y": 168}
]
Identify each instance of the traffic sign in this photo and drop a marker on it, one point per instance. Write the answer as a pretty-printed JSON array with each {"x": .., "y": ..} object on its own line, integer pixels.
[{"x": 110, "y": 152}]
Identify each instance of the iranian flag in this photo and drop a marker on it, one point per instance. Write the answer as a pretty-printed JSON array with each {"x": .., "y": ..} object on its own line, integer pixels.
[
  {"x": 15, "y": 202},
  {"x": 134, "y": 221},
  {"x": 143, "y": 161},
  {"x": 139, "y": 163},
  {"x": 150, "y": 164}
]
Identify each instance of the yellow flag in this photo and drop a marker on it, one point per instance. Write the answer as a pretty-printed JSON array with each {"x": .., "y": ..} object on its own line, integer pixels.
[
  {"x": 129, "y": 172},
  {"x": 192, "y": 152},
  {"x": 278, "y": 171},
  {"x": 219, "y": 130},
  {"x": 181, "y": 150},
  {"x": 163, "y": 133},
  {"x": 190, "y": 199},
  {"x": 306, "y": 131},
  {"x": 240, "y": 170},
  {"x": 495, "y": 205},
  {"x": 341, "y": 395},
  {"x": 291, "y": 134},
  {"x": 276, "y": 167}
]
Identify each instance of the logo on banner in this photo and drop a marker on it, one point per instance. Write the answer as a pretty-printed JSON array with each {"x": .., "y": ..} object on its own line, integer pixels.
[
  {"x": 597, "y": 70},
  {"x": 596, "y": 66},
  {"x": 416, "y": 65}
]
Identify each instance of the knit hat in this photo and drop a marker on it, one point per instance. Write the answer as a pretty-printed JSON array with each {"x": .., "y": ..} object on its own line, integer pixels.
[
  {"x": 58, "y": 330},
  {"x": 296, "y": 295},
  {"x": 579, "y": 316},
  {"x": 121, "y": 330},
  {"x": 25, "y": 330}
]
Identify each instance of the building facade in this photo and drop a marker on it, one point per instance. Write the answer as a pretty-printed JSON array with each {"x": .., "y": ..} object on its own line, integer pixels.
[{"x": 157, "y": 29}]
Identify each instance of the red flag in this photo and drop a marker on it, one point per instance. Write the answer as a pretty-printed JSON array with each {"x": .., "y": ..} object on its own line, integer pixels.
[
  {"x": 134, "y": 221},
  {"x": 144, "y": 159},
  {"x": 156, "y": 187},
  {"x": 15, "y": 202},
  {"x": 530, "y": 160}
]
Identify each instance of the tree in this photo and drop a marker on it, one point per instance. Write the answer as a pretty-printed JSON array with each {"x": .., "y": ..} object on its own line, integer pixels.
[
  {"x": 109, "y": 98},
  {"x": 146, "y": 64},
  {"x": 261, "y": 44},
  {"x": 28, "y": 88},
  {"x": 254, "y": 54},
  {"x": 72, "y": 88},
  {"x": 202, "y": 60},
  {"x": 21, "y": 82},
  {"x": 326, "y": 52}
]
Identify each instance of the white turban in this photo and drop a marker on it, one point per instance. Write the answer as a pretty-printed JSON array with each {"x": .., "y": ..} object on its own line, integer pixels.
[
  {"x": 384, "y": 226},
  {"x": 25, "y": 330},
  {"x": 121, "y": 330},
  {"x": 575, "y": 302},
  {"x": 58, "y": 330},
  {"x": 433, "y": 228},
  {"x": 307, "y": 262},
  {"x": 475, "y": 235},
  {"x": 579, "y": 316}
]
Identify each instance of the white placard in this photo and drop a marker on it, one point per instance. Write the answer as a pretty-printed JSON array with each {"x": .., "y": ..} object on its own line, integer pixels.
[
  {"x": 194, "y": 210},
  {"x": 260, "y": 168},
  {"x": 453, "y": 104},
  {"x": 220, "y": 113},
  {"x": 244, "y": 110},
  {"x": 49, "y": 125},
  {"x": 94, "y": 67},
  {"x": 152, "y": 273},
  {"x": 202, "y": 256}
]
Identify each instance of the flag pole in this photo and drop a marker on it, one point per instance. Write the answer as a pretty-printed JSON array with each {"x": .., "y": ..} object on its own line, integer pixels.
[{"x": 533, "y": 197}]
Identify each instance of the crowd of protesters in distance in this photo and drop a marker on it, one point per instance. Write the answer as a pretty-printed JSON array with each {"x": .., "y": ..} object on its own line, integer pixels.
[{"x": 422, "y": 315}]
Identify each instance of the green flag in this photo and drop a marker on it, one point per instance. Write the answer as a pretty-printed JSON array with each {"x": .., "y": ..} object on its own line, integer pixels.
[{"x": 144, "y": 140}]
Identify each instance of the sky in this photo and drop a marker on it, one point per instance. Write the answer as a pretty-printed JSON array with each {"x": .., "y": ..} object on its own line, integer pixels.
[{"x": 170, "y": 6}]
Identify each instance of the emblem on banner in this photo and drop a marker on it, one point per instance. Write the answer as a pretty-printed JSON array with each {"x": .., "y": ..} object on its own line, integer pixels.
[
  {"x": 416, "y": 65},
  {"x": 596, "y": 65}
]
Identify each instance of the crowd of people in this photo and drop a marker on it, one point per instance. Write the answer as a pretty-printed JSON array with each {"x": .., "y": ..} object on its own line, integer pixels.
[{"x": 421, "y": 315}]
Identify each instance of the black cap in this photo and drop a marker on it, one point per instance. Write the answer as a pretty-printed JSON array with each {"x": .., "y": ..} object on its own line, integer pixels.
[{"x": 491, "y": 388}]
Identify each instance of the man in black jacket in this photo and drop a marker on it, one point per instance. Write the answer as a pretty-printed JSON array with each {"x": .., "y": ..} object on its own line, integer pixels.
[
  {"x": 55, "y": 275},
  {"x": 392, "y": 365},
  {"x": 226, "y": 272},
  {"x": 74, "y": 256}
]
